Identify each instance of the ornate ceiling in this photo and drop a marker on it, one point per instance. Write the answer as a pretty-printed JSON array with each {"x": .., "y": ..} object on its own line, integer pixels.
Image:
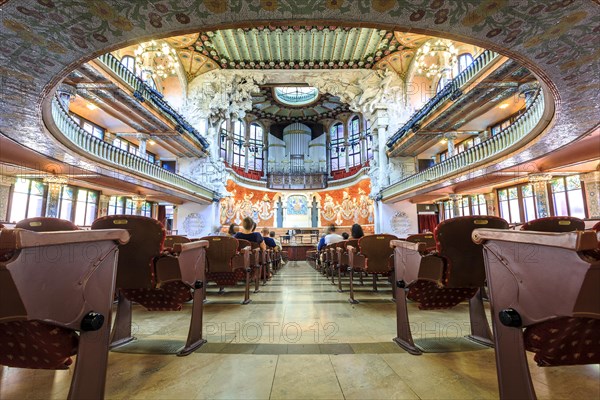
[
  {"x": 296, "y": 47},
  {"x": 265, "y": 106}
]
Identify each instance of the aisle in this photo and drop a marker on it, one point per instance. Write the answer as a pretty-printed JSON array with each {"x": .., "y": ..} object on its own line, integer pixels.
[{"x": 298, "y": 339}]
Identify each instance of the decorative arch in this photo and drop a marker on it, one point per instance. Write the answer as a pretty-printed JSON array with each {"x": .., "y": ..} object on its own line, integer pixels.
[{"x": 556, "y": 41}]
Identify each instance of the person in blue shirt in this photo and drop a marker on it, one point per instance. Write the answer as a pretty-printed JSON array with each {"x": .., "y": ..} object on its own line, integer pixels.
[
  {"x": 247, "y": 234},
  {"x": 321, "y": 243},
  {"x": 269, "y": 241}
]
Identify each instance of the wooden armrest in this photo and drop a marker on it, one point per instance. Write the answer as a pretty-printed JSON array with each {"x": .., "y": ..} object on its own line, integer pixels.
[
  {"x": 26, "y": 239},
  {"x": 576, "y": 241},
  {"x": 186, "y": 266}
]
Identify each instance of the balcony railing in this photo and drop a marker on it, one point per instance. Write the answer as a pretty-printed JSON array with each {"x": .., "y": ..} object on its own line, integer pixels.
[
  {"x": 451, "y": 91},
  {"x": 143, "y": 92},
  {"x": 118, "y": 158},
  {"x": 483, "y": 152}
]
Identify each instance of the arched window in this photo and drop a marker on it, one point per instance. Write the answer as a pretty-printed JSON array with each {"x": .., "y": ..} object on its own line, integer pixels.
[
  {"x": 129, "y": 63},
  {"x": 354, "y": 149},
  {"x": 239, "y": 151},
  {"x": 337, "y": 152},
  {"x": 464, "y": 60},
  {"x": 255, "y": 148}
]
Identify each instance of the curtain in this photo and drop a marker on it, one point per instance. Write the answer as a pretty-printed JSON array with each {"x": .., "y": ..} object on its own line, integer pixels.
[{"x": 427, "y": 222}]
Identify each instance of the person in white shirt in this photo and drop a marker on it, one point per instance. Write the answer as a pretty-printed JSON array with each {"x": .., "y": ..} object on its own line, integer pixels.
[{"x": 332, "y": 237}]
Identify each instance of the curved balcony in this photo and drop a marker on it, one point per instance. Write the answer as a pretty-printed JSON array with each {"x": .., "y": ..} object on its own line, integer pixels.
[
  {"x": 143, "y": 92},
  {"x": 117, "y": 158},
  {"x": 451, "y": 91},
  {"x": 484, "y": 152}
]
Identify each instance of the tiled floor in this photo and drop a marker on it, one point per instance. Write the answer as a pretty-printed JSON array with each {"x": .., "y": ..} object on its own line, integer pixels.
[{"x": 300, "y": 339}]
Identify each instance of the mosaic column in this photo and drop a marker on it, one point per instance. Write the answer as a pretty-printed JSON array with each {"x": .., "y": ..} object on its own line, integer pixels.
[
  {"x": 456, "y": 203},
  {"x": 5, "y": 183},
  {"x": 55, "y": 184},
  {"x": 540, "y": 192},
  {"x": 592, "y": 192},
  {"x": 103, "y": 201},
  {"x": 490, "y": 203},
  {"x": 451, "y": 137},
  {"x": 138, "y": 201}
]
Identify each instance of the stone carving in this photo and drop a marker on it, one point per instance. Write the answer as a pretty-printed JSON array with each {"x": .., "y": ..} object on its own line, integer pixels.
[
  {"x": 205, "y": 171},
  {"x": 220, "y": 95},
  {"x": 400, "y": 224}
]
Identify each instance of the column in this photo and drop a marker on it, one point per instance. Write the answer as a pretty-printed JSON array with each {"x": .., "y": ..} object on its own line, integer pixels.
[
  {"x": 55, "y": 184},
  {"x": 540, "y": 192},
  {"x": 103, "y": 201},
  {"x": 346, "y": 145},
  {"x": 592, "y": 192},
  {"x": 451, "y": 137},
  {"x": 456, "y": 204},
  {"x": 5, "y": 183},
  {"x": 138, "y": 201},
  {"x": 528, "y": 91},
  {"x": 490, "y": 203},
  {"x": 142, "y": 139}
]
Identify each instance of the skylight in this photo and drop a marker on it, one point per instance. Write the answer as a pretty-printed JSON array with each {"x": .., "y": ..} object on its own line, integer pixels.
[{"x": 296, "y": 95}]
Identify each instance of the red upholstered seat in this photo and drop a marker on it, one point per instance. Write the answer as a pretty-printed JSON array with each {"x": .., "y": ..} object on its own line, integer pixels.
[
  {"x": 157, "y": 280},
  {"x": 46, "y": 224},
  {"x": 544, "y": 299},
  {"x": 427, "y": 238},
  {"x": 228, "y": 261},
  {"x": 47, "y": 315},
  {"x": 454, "y": 273},
  {"x": 554, "y": 224}
]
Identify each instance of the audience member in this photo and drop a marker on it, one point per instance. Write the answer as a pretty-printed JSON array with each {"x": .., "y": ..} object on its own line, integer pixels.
[
  {"x": 345, "y": 235},
  {"x": 321, "y": 243},
  {"x": 233, "y": 229},
  {"x": 357, "y": 231},
  {"x": 268, "y": 240},
  {"x": 277, "y": 242},
  {"x": 332, "y": 237},
  {"x": 247, "y": 234}
]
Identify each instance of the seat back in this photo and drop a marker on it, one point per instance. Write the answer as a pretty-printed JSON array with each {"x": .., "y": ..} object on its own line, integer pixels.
[
  {"x": 377, "y": 251},
  {"x": 555, "y": 224},
  {"x": 596, "y": 227},
  {"x": 464, "y": 258},
  {"x": 221, "y": 250},
  {"x": 136, "y": 258},
  {"x": 426, "y": 238},
  {"x": 172, "y": 240},
  {"x": 46, "y": 224}
]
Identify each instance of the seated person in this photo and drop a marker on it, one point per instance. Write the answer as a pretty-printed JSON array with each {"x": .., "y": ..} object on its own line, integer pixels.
[
  {"x": 247, "y": 234},
  {"x": 332, "y": 237},
  {"x": 321, "y": 243},
  {"x": 356, "y": 231},
  {"x": 233, "y": 229},
  {"x": 269, "y": 241},
  {"x": 277, "y": 242},
  {"x": 345, "y": 235}
]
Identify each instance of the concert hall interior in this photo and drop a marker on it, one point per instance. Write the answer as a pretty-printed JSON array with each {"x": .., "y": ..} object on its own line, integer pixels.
[{"x": 312, "y": 199}]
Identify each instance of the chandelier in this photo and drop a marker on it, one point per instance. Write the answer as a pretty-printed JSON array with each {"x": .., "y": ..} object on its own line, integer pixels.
[
  {"x": 156, "y": 59},
  {"x": 446, "y": 53}
]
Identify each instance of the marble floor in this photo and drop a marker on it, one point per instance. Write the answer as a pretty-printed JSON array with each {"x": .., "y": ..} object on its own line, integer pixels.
[{"x": 301, "y": 339}]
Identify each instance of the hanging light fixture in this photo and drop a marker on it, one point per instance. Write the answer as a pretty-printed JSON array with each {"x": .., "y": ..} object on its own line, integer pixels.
[
  {"x": 156, "y": 59},
  {"x": 425, "y": 58}
]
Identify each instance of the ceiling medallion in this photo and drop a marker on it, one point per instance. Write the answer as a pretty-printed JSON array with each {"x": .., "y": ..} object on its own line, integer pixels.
[{"x": 296, "y": 95}]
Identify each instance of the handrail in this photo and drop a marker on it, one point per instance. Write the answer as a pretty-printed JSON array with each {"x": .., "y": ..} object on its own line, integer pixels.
[
  {"x": 451, "y": 90},
  {"x": 143, "y": 92},
  {"x": 485, "y": 150},
  {"x": 116, "y": 156}
]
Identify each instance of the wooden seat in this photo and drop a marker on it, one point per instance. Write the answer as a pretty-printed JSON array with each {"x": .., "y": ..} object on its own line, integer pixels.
[
  {"x": 554, "y": 224},
  {"x": 426, "y": 238},
  {"x": 172, "y": 240},
  {"x": 157, "y": 281},
  {"x": 373, "y": 256},
  {"x": 52, "y": 308},
  {"x": 228, "y": 262},
  {"x": 441, "y": 280},
  {"x": 344, "y": 259},
  {"x": 46, "y": 224},
  {"x": 544, "y": 298}
]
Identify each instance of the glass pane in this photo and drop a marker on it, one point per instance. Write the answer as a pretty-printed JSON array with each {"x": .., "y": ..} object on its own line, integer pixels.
[
  {"x": 22, "y": 185},
  {"x": 512, "y": 193},
  {"x": 37, "y": 188},
  {"x": 560, "y": 204},
  {"x": 504, "y": 211},
  {"x": 82, "y": 195},
  {"x": 36, "y": 204},
  {"x": 92, "y": 196},
  {"x": 66, "y": 206},
  {"x": 528, "y": 204},
  {"x": 515, "y": 215},
  {"x": 18, "y": 208},
  {"x": 502, "y": 194},
  {"x": 573, "y": 182},
  {"x": 558, "y": 185},
  {"x": 90, "y": 214},
  {"x": 576, "y": 205},
  {"x": 526, "y": 191}
]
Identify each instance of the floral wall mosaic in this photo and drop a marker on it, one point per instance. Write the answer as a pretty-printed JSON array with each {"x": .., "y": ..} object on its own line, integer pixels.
[{"x": 41, "y": 40}]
